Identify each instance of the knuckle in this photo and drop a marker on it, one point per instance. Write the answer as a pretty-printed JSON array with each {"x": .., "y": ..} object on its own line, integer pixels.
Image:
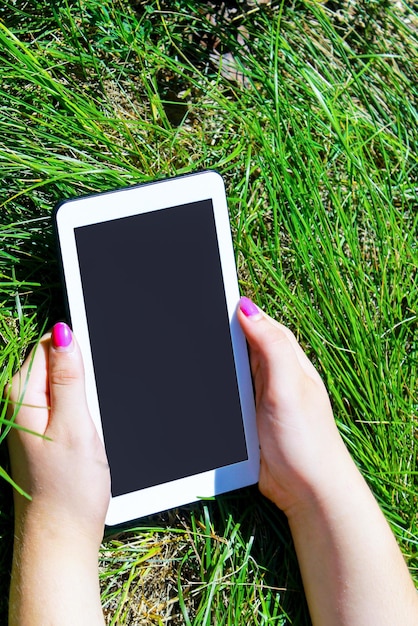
[
  {"x": 13, "y": 388},
  {"x": 63, "y": 377}
]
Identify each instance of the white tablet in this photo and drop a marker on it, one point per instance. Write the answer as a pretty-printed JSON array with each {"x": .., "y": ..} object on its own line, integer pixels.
[{"x": 152, "y": 292}]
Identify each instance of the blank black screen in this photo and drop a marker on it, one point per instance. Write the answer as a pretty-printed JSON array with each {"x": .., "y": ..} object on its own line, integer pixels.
[{"x": 161, "y": 345}]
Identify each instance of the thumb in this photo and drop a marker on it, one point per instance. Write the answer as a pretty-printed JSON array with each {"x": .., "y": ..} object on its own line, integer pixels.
[
  {"x": 273, "y": 345},
  {"x": 66, "y": 378}
]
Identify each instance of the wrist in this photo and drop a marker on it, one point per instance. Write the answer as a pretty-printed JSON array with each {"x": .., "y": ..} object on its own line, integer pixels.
[
  {"x": 37, "y": 525},
  {"x": 55, "y": 574},
  {"x": 328, "y": 492}
]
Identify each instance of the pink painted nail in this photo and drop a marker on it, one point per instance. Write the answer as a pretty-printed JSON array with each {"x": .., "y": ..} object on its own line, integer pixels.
[
  {"x": 61, "y": 335},
  {"x": 248, "y": 307}
]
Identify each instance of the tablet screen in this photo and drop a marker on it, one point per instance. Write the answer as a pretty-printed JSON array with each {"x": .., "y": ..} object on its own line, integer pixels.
[{"x": 161, "y": 345}]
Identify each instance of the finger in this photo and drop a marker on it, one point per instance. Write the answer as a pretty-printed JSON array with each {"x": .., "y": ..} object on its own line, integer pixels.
[
  {"x": 275, "y": 343},
  {"x": 66, "y": 381},
  {"x": 270, "y": 343},
  {"x": 28, "y": 391}
]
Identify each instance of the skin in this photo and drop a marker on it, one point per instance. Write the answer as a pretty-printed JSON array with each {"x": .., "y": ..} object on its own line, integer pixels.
[
  {"x": 352, "y": 568},
  {"x": 58, "y": 532}
]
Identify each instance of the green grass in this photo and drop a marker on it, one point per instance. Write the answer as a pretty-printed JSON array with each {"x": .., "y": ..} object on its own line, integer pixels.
[{"x": 313, "y": 126}]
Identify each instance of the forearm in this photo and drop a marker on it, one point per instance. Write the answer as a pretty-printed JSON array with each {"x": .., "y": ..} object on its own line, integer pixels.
[
  {"x": 352, "y": 569},
  {"x": 54, "y": 577}
]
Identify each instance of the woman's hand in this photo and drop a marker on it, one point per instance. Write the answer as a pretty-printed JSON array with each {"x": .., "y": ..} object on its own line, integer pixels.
[
  {"x": 300, "y": 445},
  {"x": 347, "y": 553},
  {"x": 64, "y": 470}
]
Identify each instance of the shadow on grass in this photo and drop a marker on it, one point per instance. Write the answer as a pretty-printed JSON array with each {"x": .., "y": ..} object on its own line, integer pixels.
[
  {"x": 37, "y": 271},
  {"x": 232, "y": 558},
  {"x": 272, "y": 549}
]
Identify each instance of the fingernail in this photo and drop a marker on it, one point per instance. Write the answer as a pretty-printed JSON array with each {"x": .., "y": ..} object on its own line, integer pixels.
[
  {"x": 248, "y": 307},
  {"x": 62, "y": 336}
]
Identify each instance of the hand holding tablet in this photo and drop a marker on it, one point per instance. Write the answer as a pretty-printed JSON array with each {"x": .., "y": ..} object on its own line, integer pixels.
[{"x": 152, "y": 294}]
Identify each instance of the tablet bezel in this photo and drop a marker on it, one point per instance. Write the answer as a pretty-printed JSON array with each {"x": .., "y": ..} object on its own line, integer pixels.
[{"x": 121, "y": 203}]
